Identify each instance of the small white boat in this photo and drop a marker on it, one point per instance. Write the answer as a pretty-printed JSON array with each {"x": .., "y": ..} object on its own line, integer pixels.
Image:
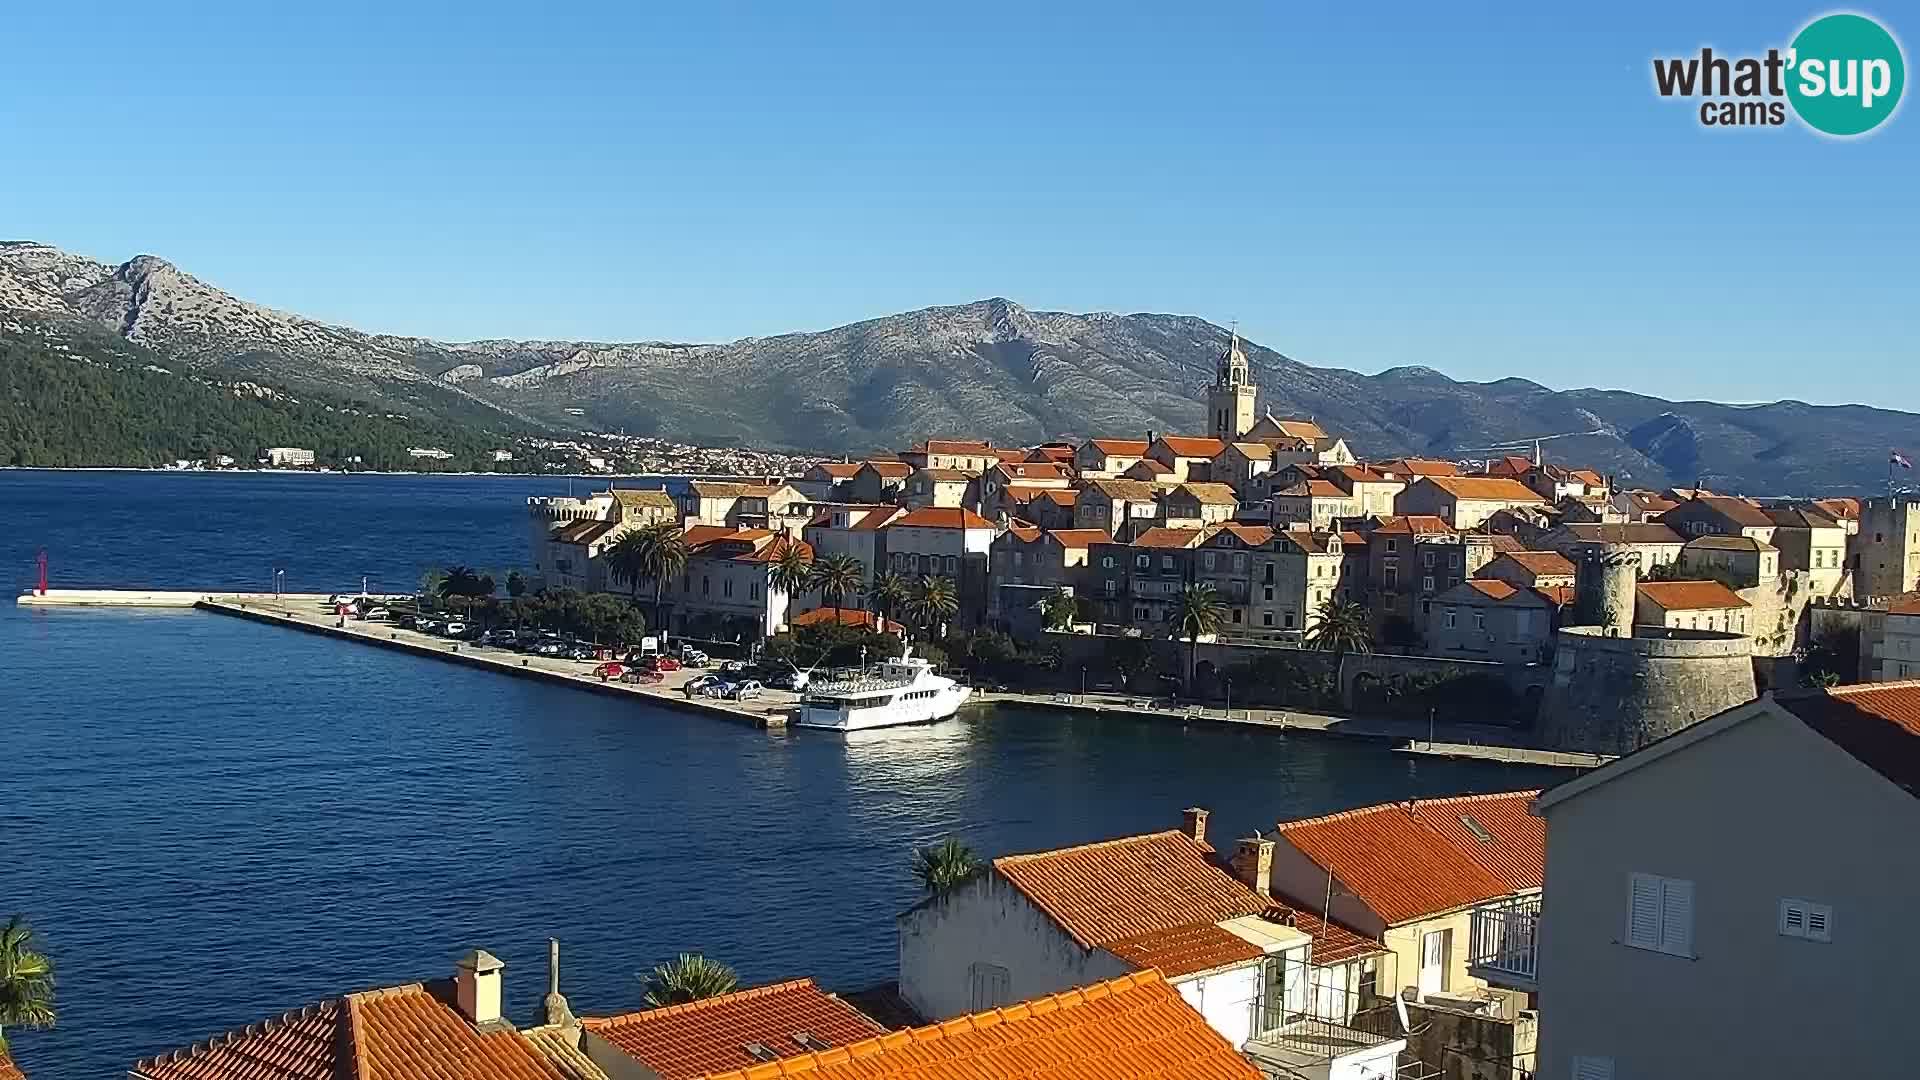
[{"x": 903, "y": 691}]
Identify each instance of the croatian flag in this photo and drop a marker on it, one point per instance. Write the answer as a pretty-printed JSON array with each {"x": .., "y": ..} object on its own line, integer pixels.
[{"x": 1900, "y": 461}]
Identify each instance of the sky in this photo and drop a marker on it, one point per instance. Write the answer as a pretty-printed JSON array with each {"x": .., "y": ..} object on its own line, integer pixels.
[{"x": 1488, "y": 190}]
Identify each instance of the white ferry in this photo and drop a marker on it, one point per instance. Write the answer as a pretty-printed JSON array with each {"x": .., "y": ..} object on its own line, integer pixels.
[{"x": 903, "y": 691}]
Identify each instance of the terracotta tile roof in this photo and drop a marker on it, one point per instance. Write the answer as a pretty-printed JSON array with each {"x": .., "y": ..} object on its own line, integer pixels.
[
  {"x": 1541, "y": 563},
  {"x": 891, "y": 470},
  {"x": 8, "y": 1070},
  {"x": 1739, "y": 511},
  {"x": 583, "y": 532},
  {"x": 1318, "y": 489},
  {"x": 1250, "y": 535},
  {"x": 1904, "y": 604},
  {"x": 1163, "y": 537},
  {"x": 1511, "y": 467},
  {"x": 1031, "y": 471},
  {"x": 877, "y": 518},
  {"x": 1061, "y": 496},
  {"x": 1208, "y": 494},
  {"x": 1332, "y": 942},
  {"x": 1625, "y": 532},
  {"x": 410, "y": 1032},
  {"x": 839, "y": 470},
  {"x": 945, "y": 476},
  {"x": 1877, "y": 723},
  {"x": 1690, "y": 595},
  {"x": 1491, "y": 588},
  {"x": 954, "y": 446},
  {"x": 561, "y": 1047},
  {"x": 1299, "y": 429},
  {"x": 1391, "y": 861},
  {"x": 1651, "y": 501},
  {"x": 1123, "y": 490},
  {"x": 1419, "y": 467},
  {"x": 1119, "y": 447},
  {"x": 1727, "y": 543},
  {"x": 1022, "y": 531},
  {"x": 1009, "y": 454},
  {"x": 1079, "y": 538},
  {"x": 1313, "y": 543},
  {"x": 1361, "y": 474},
  {"x": 1485, "y": 489},
  {"x": 1149, "y": 467},
  {"x": 1136, "y": 1027},
  {"x": 1021, "y": 493},
  {"x": 845, "y": 617},
  {"x": 708, "y": 489},
  {"x": 1060, "y": 454},
  {"x": 1412, "y": 525},
  {"x": 1507, "y": 545},
  {"x": 1495, "y": 831},
  {"x": 698, "y": 535},
  {"x": 1185, "y": 950},
  {"x": 1838, "y": 509},
  {"x": 1253, "y": 451},
  {"x": 1557, "y": 595},
  {"x": 1801, "y": 519},
  {"x": 643, "y": 498},
  {"x": 682, "y": 1042},
  {"x": 1351, "y": 539},
  {"x": 940, "y": 517},
  {"x": 1105, "y": 892},
  {"x": 314, "y": 1043},
  {"x": 1191, "y": 446}
]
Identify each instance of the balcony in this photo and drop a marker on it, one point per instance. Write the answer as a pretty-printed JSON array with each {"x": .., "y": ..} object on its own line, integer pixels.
[{"x": 1504, "y": 944}]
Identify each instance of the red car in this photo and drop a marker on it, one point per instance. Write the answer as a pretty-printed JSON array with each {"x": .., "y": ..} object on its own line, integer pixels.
[
  {"x": 612, "y": 669},
  {"x": 661, "y": 663}
]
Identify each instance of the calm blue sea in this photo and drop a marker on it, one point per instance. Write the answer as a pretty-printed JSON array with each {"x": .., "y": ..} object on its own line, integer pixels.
[{"x": 209, "y": 820}]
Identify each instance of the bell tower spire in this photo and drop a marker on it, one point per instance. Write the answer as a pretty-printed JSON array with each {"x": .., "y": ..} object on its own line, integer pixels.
[{"x": 1230, "y": 401}]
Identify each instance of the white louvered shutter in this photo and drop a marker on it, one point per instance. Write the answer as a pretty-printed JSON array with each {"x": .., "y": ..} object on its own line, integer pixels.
[
  {"x": 1819, "y": 922},
  {"x": 1643, "y": 911},
  {"x": 1676, "y": 917},
  {"x": 1592, "y": 1068},
  {"x": 1793, "y": 918}
]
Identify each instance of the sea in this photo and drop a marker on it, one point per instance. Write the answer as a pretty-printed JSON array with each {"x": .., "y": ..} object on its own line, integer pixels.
[{"x": 209, "y": 821}]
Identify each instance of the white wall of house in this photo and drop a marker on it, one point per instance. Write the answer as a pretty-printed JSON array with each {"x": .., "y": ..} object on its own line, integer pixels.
[
  {"x": 1759, "y": 813},
  {"x": 1226, "y": 998},
  {"x": 985, "y": 939}
]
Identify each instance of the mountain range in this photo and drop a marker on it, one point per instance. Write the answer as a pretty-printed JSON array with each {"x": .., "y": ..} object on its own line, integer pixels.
[{"x": 990, "y": 369}]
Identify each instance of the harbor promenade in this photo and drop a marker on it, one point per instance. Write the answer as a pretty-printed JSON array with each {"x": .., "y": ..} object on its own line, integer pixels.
[{"x": 308, "y": 612}]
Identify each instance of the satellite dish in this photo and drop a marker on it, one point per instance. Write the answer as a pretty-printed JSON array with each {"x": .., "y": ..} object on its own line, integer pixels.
[{"x": 1400, "y": 1010}]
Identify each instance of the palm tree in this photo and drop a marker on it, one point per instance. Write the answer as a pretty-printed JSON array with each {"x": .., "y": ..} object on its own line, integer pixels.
[
  {"x": 1343, "y": 628},
  {"x": 933, "y": 603},
  {"x": 945, "y": 865},
  {"x": 691, "y": 977},
  {"x": 1197, "y": 613},
  {"x": 26, "y": 981},
  {"x": 792, "y": 568},
  {"x": 1059, "y": 609},
  {"x": 657, "y": 552},
  {"x": 891, "y": 591},
  {"x": 464, "y": 583},
  {"x": 837, "y": 577}
]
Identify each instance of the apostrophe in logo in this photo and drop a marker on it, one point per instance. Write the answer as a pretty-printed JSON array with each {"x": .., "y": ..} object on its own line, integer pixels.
[
  {"x": 1845, "y": 74},
  {"x": 1842, "y": 75}
]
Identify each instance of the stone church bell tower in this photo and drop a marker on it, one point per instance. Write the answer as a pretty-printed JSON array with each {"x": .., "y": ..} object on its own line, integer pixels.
[{"x": 1230, "y": 399}]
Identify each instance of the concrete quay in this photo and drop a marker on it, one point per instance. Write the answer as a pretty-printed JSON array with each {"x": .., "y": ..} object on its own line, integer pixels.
[{"x": 147, "y": 598}]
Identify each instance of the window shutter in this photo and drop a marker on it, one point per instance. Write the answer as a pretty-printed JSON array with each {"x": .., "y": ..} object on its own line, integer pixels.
[
  {"x": 1592, "y": 1068},
  {"x": 1793, "y": 919},
  {"x": 1643, "y": 912},
  {"x": 1819, "y": 922},
  {"x": 1676, "y": 917}
]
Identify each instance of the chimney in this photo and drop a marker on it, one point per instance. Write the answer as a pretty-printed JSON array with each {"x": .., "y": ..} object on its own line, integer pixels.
[
  {"x": 476, "y": 987},
  {"x": 1253, "y": 864},
  {"x": 555, "y": 1004},
  {"x": 1150, "y": 437},
  {"x": 1193, "y": 822}
]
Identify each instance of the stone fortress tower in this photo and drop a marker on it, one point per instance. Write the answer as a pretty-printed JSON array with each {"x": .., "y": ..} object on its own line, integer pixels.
[
  {"x": 1230, "y": 398},
  {"x": 1616, "y": 686}
]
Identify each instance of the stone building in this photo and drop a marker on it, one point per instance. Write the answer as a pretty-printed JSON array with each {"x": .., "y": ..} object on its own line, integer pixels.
[
  {"x": 1885, "y": 553},
  {"x": 1230, "y": 400}
]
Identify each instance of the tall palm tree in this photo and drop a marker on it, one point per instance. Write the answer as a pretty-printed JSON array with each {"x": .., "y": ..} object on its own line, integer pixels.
[
  {"x": 464, "y": 583},
  {"x": 1059, "y": 609},
  {"x": 837, "y": 577},
  {"x": 934, "y": 601},
  {"x": 942, "y": 866},
  {"x": 891, "y": 591},
  {"x": 26, "y": 981},
  {"x": 1343, "y": 628},
  {"x": 1197, "y": 613},
  {"x": 691, "y": 977},
  {"x": 657, "y": 552},
  {"x": 792, "y": 568}
]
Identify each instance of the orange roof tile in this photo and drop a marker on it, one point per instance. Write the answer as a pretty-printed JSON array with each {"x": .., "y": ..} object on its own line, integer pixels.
[
  {"x": 1496, "y": 831},
  {"x": 314, "y": 1043},
  {"x": 1185, "y": 950},
  {"x": 1738, "y": 511},
  {"x": 1163, "y": 537},
  {"x": 1485, "y": 488},
  {"x": 1412, "y": 524},
  {"x": 8, "y": 1070},
  {"x": 845, "y": 617},
  {"x": 1332, "y": 942},
  {"x": 892, "y": 470},
  {"x": 942, "y": 517},
  {"x": 1101, "y": 893},
  {"x": 1079, "y": 538},
  {"x": 1491, "y": 588},
  {"x": 1136, "y": 1027},
  {"x": 1024, "y": 531},
  {"x": 1877, "y": 723},
  {"x": 1506, "y": 545},
  {"x": 954, "y": 446},
  {"x": 1542, "y": 563},
  {"x": 1557, "y": 595},
  {"x": 1393, "y": 862},
  {"x": 1690, "y": 595},
  {"x": 1120, "y": 447},
  {"x": 1149, "y": 467},
  {"x": 1190, "y": 446},
  {"x": 839, "y": 470},
  {"x": 1301, "y": 429},
  {"x": 1032, "y": 471},
  {"x": 1838, "y": 509},
  {"x": 1250, "y": 535},
  {"x": 1420, "y": 467},
  {"x": 682, "y": 1042},
  {"x": 1061, "y": 496}
]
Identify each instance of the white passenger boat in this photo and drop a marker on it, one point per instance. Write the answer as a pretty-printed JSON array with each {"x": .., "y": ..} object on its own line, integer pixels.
[{"x": 903, "y": 691}]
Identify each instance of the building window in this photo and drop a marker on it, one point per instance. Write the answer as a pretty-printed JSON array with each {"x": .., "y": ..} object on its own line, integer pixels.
[
  {"x": 1143, "y": 561},
  {"x": 706, "y": 585},
  {"x": 1479, "y": 620},
  {"x": 1426, "y": 583},
  {"x": 726, "y": 587},
  {"x": 1236, "y": 616},
  {"x": 1110, "y": 586},
  {"x": 1166, "y": 562},
  {"x": 753, "y": 590},
  {"x": 1660, "y": 914},
  {"x": 1106, "y": 562},
  {"x": 1289, "y": 618},
  {"x": 1269, "y": 592},
  {"x": 1209, "y": 560},
  {"x": 1803, "y": 919},
  {"x": 1392, "y": 576},
  {"x": 1453, "y": 559},
  {"x": 1239, "y": 562},
  {"x": 1448, "y": 618},
  {"x": 1266, "y": 617},
  {"x": 988, "y": 986},
  {"x": 1426, "y": 559}
]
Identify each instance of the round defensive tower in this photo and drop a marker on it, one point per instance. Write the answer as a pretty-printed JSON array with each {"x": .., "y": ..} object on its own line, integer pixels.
[
  {"x": 1605, "y": 589},
  {"x": 1613, "y": 694}
]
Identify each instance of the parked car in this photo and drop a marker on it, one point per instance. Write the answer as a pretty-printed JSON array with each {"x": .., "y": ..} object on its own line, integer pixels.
[
  {"x": 580, "y": 652},
  {"x": 745, "y": 690},
  {"x": 549, "y": 648},
  {"x": 718, "y": 688},
  {"x": 454, "y": 628},
  {"x": 612, "y": 669},
  {"x": 699, "y": 684},
  {"x": 376, "y": 614},
  {"x": 661, "y": 663},
  {"x": 636, "y": 675},
  {"x": 795, "y": 681},
  {"x": 428, "y": 626},
  {"x": 733, "y": 667}
]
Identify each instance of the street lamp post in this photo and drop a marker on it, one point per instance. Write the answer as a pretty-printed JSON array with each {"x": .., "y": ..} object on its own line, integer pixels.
[
  {"x": 279, "y": 578},
  {"x": 1083, "y": 684},
  {"x": 1430, "y": 712},
  {"x": 1229, "y": 695}
]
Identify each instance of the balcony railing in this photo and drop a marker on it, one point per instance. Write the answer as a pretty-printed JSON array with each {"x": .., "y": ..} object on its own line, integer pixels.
[{"x": 1504, "y": 944}]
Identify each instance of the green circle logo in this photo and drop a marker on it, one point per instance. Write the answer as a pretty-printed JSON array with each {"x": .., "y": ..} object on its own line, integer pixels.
[{"x": 1845, "y": 74}]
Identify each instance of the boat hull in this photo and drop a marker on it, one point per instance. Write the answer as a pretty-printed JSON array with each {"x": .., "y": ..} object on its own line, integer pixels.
[{"x": 898, "y": 714}]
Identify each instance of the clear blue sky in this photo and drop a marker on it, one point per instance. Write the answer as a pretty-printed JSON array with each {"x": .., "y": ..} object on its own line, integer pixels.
[{"x": 1486, "y": 190}]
